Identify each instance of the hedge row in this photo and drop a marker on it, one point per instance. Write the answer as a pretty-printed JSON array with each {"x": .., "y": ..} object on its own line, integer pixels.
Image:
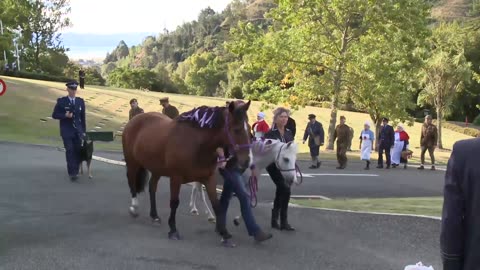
[{"x": 35, "y": 76}]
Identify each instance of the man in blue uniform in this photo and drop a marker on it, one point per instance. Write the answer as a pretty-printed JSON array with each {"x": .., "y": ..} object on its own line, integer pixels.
[{"x": 70, "y": 110}]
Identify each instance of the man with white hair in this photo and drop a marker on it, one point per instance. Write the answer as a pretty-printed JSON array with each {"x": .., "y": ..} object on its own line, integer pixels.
[{"x": 260, "y": 128}]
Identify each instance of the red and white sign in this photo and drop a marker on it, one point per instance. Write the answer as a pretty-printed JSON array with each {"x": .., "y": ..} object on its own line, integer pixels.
[{"x": 3, "y": 87}]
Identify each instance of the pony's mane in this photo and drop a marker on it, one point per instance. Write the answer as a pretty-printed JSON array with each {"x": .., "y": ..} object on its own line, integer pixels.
[
  {"x": 204, "y": 117},
  {"x": 260, "y": 145}
]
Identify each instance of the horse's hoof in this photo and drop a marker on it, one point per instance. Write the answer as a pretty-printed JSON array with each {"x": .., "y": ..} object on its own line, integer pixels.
[
  {"x": 174, "y": 236},
  {"x": 194, "y": 212},
  {"x": 236, "y": 221},
  {"x": 156, "y": 220},
  {"x": 133, "y": 211},
  {"x": 228, "y": 243},
  {"x": 212, "y": 220}
]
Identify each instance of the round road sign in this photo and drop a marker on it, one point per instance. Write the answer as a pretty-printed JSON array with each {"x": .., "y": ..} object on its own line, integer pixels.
[{"x": 3, "y": 87}]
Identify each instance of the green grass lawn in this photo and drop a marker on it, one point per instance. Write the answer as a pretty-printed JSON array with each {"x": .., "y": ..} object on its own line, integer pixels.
[
  {"x": 27, "y": 101},
  {"x": 428, "y": 206}
]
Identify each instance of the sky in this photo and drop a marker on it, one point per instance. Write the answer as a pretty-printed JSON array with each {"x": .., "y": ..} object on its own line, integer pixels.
[{"x": 130, "y": 16}]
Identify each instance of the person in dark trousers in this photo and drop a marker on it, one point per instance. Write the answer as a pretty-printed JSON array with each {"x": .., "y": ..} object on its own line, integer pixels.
[
  {"x": 233, "y": 182},
  {"x": 168, "y": 109},
  {"x": 81, "y": 77},
  {"x": 70, "y": 110},
  {"x": 282, "y": 194},
  {"x": 316, "y": 137},
  {"x": 428, "y": 141},
  {"x": 292, "y": 126},
  {"x": 386, "y": 140},
  {"x": 460, "y": 230},
  {"x": 135, "y": 109},
  {"x": 342, "y": 135}
]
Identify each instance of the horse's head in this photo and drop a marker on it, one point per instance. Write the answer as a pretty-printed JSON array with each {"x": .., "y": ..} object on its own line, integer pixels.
[
  {"x": 238, "y": 133},
  {"x": 285, "y": 160}
]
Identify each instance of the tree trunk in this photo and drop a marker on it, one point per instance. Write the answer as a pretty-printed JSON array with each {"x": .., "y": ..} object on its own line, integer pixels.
[
  {"x": 439, "y": 128},
  {"x": 337, "y": 79},
  {"x": 378, "y": 127},
  {"x": 333, "y": 114}
]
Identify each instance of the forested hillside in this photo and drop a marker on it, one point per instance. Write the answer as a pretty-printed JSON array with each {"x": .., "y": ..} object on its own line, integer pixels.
[{"x": 397, "y": 59}]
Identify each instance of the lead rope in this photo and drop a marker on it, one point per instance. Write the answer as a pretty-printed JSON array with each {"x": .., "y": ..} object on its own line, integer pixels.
[
  {"x": 253, "y": 184},
  {"x": 297, "y": 170}
]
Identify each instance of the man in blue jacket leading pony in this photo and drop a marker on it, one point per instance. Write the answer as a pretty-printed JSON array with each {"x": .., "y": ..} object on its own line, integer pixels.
[{"x": 70, "y": 110}]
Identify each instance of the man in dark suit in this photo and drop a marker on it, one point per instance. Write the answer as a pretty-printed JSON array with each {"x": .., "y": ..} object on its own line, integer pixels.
[
  {"x": 70, "y": 110},
  {"x": 460, "y": 233},
  {"x": 316, "y": 137},
  {"x": 385, "y": 143},
  {"x": 81, "y": 77}
]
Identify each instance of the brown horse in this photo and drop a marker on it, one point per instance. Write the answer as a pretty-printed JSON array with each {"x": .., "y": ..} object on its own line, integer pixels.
[{"x": 183, "y": 149}]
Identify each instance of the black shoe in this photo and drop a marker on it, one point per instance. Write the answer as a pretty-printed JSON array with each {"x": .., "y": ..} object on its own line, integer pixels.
[
  {"x": 433, "y": 168},
  {"x": 388, "y": 166},
  {"x": 73, "y": 178},
  {"x": 261, "y": 236},
  {"x": 274, "y": 221},
  {"x": 421, "y": 167},
  {"x": 318, "y": 164},
  {"x": 380, "y": 167},
  {"x": 284, "y": 226},
  {"x": 312, "y": 167},
  {"x": 405, "y": 166}
]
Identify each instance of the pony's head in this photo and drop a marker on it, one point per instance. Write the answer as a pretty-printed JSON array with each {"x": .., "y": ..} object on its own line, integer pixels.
[
  {"x": 286, "y": 161},
  {"x": 237, "y": 133},
  {"x": 284, "y": 155}
]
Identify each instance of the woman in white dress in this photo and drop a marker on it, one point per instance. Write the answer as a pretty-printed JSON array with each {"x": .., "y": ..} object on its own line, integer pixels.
[
  {"x": 401, "y": 144},
  {"x": 367, "y": 137}
]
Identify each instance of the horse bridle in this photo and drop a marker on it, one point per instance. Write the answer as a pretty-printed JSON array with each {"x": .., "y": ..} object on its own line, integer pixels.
[
  {"x": 296, "y": 167},
  {"x": 235, "y": 146}
]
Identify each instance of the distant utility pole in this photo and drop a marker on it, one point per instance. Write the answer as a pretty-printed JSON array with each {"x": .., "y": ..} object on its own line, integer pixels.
[{"x": 4, "y": 53}]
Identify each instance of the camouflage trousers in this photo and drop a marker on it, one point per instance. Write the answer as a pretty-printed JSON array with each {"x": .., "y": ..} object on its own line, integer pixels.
[{"x": 342, "y": 154}]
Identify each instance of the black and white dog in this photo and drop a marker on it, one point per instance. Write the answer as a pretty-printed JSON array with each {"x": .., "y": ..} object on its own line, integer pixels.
[{"x": 86, "y": 153}]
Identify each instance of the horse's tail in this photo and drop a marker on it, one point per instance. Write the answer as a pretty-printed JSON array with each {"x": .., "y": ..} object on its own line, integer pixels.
[{"x": 141, "y": 180}]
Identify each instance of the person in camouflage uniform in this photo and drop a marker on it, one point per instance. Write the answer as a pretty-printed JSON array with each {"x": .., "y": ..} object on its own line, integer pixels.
[
  {"x": 342, "y": 135},
  {"x": 169, "y": 110},
  {"x": 135, "y": 109},
  {"x": 428, "y": 141},
  {"x": 352, "y": 133}
]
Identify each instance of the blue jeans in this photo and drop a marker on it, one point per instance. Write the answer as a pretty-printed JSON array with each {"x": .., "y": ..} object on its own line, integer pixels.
[{"x": 233, "y": 182}]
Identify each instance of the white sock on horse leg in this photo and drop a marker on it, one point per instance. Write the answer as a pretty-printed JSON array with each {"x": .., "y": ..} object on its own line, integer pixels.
[{"x": 134, "y": 201}]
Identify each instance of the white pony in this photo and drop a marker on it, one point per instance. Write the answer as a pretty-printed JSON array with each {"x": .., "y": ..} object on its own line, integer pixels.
[{"x": 266, "y": 152}]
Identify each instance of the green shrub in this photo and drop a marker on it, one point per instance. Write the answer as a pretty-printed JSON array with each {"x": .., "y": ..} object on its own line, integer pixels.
[
  {"x": 464, "y": 130},
  {"x": 476, "y": 121},
  {"x": 36, "y": 76}
]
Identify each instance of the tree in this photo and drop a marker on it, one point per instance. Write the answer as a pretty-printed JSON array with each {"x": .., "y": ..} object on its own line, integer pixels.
[
  {"x": 325, "y": 34},
  {"x": 445, "y": 72},
  {"x": 41, "y": 32}
]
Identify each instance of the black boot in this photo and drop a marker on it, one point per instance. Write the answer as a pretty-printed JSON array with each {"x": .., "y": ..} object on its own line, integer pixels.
[
  {"x": 275, "y": 214},
  {"x": 284, "y": 220},
  {"x": 261, "y": 236},
  {"x": 367, "y": 167}
]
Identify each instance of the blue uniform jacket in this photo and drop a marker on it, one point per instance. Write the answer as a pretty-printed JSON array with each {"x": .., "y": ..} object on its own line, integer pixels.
[
  {"x": 460, "y": 233},
  {"x": 67, "y": 127},
  {"x": 387, "y": 136},
  {"x": 317, "y": 130}
]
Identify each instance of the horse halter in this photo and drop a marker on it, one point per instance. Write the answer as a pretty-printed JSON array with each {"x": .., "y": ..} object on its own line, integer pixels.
[
  {"x": 235, "y": 146},
  {"x": 296, "y": 168}
]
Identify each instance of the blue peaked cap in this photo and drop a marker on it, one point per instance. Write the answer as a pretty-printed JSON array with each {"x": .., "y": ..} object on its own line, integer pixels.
[{"x": 72, "y": 84}]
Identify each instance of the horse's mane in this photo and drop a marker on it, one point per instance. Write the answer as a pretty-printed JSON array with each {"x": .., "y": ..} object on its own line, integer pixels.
[{"x": 203, "y": 117}]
